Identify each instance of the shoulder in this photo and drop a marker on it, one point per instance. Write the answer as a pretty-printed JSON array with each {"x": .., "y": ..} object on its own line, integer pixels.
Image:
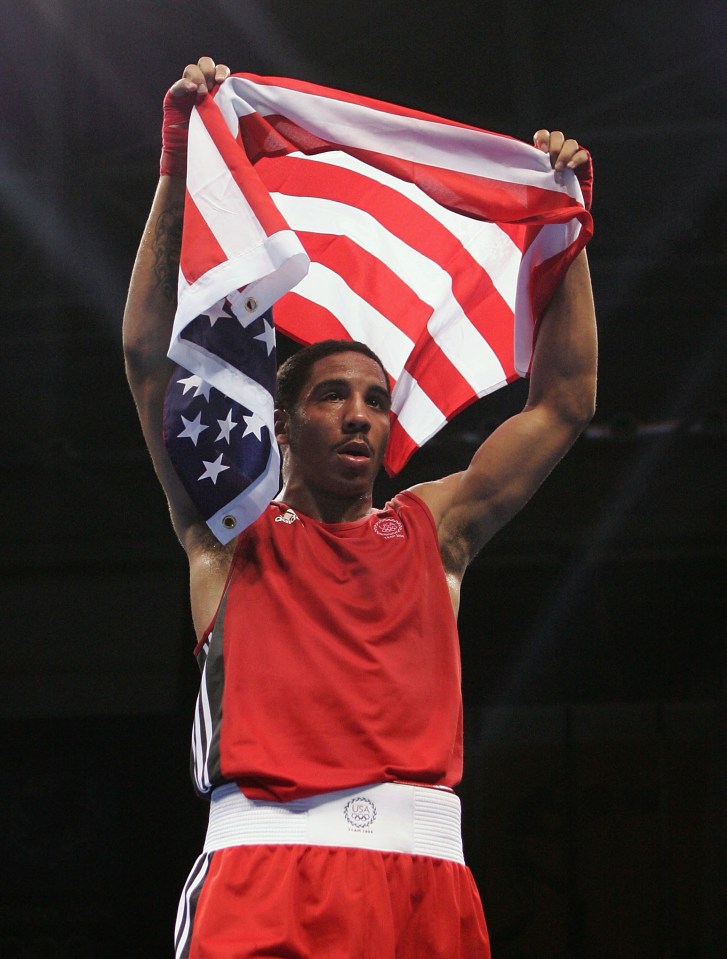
[
  {"x": 420, "y": 512},
  {"x": 415, "y": 504},
  {"x": 435, "y": 495},
  {"x": 438, "y": 497}
]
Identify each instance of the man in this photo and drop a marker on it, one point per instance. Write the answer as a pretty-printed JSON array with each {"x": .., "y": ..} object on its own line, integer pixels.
[{"x": 329, "y": 723}]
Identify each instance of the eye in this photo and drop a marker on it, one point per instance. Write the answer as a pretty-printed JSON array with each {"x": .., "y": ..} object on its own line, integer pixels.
[{"x": 379, "y": 402}]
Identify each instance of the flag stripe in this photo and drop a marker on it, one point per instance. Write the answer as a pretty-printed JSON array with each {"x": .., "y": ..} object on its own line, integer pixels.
[
  {"x": 448, "y": 325},
  {"x": 370, "y": 277},
  {"x": 358, "y": 317},
  {"x": 400, "y": 208}
]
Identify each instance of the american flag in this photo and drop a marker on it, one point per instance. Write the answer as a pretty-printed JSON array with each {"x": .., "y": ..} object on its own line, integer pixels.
[{"x": 436, "y": 243}]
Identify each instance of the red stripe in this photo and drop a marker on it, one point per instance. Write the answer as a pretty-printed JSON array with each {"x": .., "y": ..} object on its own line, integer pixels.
[
  {"x": 200, "y": 250},
  {"x": 371, "y": 279},
  {"x": 480, "y": 197},
  {"x": 438, "y": 377},
  {"x": 400, "y": 448},
  {"x": 305, "y": 321}
]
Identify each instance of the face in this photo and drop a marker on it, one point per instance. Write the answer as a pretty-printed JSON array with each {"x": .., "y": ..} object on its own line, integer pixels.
[{"x": 335, "y": 437}]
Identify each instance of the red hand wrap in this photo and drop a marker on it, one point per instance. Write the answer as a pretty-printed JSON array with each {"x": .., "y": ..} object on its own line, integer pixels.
[
  {"x": 585, "y": 177},
  {"x": 175, "y": 127}
]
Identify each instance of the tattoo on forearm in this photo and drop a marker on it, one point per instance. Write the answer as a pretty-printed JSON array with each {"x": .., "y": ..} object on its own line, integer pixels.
[{"x": 167, "y": 246}]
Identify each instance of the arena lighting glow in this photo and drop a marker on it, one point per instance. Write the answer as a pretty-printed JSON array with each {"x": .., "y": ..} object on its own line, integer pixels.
[
  {"x": 82, "y": 60},
  {"x": 79, "y": 253}
]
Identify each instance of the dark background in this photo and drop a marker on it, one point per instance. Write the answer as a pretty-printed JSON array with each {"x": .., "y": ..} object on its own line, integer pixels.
[{"x": 593, "y": 626}]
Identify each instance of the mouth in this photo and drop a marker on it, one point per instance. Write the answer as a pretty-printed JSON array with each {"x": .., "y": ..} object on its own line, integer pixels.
[{"x": 355, "y": 451}]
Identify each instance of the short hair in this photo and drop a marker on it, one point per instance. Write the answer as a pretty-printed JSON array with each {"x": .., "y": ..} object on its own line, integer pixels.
[{"x": 294, "y": 372}]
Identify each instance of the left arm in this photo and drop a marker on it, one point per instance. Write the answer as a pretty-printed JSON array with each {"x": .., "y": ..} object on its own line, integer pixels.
[{"x": 471, "y": 506}]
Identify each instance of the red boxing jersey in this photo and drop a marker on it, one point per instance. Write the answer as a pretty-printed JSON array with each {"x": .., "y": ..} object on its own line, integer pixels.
[{"x": 333, "y": 660}]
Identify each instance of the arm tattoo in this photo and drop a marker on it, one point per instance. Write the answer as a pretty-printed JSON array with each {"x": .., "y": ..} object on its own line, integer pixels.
[{"x": 167, "y": 246}]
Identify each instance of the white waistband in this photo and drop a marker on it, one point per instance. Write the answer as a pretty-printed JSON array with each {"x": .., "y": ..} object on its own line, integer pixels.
[{"x": 390, "y": 817}]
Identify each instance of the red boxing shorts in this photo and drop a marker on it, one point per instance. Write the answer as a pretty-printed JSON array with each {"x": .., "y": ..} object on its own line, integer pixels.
[{"x": 320, "y": 902}]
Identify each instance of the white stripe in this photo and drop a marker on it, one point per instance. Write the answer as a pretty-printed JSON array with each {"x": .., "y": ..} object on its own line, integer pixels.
[
  {"x": 183, "y": 922},
  {"x": 362, "y": 322},
  {"x": 197, "y": 749},
  {"x": 474, "y": 152},
  {"x": 209, "y": 733},
  {"x": 448, "y": 325},
  {"x": 217, "y": 196},
  {"x": 202, "y": 732},
  {"x": 418, "y": 414},
  {"x": 488, "y": 245}
]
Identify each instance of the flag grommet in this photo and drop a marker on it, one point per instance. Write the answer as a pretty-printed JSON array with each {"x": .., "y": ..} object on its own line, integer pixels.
[
  {"x": 251, "y": 304},
  {"x": 229, "y": 522}
]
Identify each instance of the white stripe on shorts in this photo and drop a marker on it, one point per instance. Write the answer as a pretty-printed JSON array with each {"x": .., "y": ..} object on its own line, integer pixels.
[{"x": 187, "y": 903}]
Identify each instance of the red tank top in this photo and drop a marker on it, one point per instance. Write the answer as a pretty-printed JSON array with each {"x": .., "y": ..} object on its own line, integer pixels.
[{"x": 334, "y": 658}]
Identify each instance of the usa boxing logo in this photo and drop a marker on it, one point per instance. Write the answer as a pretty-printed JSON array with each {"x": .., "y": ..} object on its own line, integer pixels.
[
  {"x": 289, "y": 517},
  {"x": 390, "y": 528},
  {"x": 360, "y": 813}
]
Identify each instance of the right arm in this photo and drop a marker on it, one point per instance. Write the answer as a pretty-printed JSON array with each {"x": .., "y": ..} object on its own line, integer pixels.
[{"x": 148, "y": 319}]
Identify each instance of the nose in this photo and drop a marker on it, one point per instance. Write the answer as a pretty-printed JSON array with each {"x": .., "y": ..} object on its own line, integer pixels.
[{"x": 356, "y": 418}]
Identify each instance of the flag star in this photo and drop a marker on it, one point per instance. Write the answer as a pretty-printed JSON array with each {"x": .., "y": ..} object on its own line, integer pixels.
[
  {"x": 220, "y": 309},
  {"x": 213, "y": 470},
  {"x": 226, "y": 427},
  {"x": 253, "y": 424},
  {"x": 192, "y": 428},
  {"x": 200, "y": 386},
  {"x": 267, "y": 336}
]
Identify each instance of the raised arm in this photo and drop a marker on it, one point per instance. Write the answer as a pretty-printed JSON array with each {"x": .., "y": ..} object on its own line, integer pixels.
[
  {"x": 147, "y": 327},
  {"x": 151, "y": 300},
  {"x": 471, "y": 506},
  {"x": 148, "y": 318}
]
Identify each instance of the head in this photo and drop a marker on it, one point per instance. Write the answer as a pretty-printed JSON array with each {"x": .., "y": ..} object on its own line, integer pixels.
[
  {"x": 293, "y": 374},
  {"x": 332, "y": 417}
]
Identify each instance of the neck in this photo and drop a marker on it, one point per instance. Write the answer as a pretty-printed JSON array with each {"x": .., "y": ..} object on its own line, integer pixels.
[{"x": 324, "y": 506}]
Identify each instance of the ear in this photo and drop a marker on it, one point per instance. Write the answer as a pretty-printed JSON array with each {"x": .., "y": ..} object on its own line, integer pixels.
[{"x": 282, "y": 419}]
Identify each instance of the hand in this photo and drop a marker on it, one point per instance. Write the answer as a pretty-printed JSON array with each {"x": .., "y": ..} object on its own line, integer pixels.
[
  {"x": 568, "y": 154},
  {"x": 199, "y": 78},
  {"x": 563, "y": 152},
  {"x": 196, "y": 82}
]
